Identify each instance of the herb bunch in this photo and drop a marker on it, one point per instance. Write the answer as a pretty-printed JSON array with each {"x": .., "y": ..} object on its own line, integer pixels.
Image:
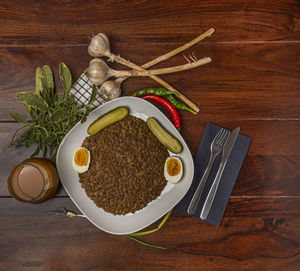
[{"x": 52, "y": 116}]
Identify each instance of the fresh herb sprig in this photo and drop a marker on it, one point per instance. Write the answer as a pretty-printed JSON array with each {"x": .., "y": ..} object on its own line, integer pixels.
[{"x": 52, "y": 116}]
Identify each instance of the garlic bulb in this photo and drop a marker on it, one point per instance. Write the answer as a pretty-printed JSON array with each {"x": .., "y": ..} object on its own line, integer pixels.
[
  {"x": 99, "y": 46},
  {"x": 111, "y": 89},
  {"x": 98, "y": 71}
]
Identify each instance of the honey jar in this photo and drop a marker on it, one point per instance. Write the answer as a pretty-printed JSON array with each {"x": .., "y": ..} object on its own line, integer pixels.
[{"x": 34, "y": 180}]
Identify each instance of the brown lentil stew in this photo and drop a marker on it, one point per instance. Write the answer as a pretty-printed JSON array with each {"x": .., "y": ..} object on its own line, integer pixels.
[{"x": 127, "y": 167}]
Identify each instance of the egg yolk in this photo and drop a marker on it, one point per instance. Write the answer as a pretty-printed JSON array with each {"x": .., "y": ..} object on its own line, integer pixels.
[
  {"x": 173, "y": 167},
  {"x": 81, "y": 157}
]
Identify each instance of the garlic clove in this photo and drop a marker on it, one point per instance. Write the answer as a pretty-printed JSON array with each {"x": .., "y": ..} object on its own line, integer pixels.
[{"x": 99, "y": 46}]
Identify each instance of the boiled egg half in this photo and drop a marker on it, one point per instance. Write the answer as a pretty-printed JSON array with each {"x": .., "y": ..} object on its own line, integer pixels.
[
  {"x": 173, "y": 169},
  {"x": 81, "y": 160}
]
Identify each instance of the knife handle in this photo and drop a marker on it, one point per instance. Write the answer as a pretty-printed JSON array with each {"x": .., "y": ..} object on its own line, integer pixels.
[
  {"x": 195, "y": 200},
  {"x": 212, "y": 193}
]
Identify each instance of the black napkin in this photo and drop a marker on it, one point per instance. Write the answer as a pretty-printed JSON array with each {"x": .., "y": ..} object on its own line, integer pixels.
[{"x": 228, "y": 178}]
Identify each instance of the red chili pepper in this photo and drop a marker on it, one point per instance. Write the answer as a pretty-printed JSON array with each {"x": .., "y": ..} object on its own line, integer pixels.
[{"x": 166, "y": 104}]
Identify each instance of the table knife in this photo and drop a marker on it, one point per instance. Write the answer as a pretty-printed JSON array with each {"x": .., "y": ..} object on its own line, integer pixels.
[{"x": 213, "y": 190}]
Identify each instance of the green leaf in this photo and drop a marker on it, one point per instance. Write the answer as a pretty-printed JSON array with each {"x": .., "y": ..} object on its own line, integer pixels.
[
  {"x": 37, "y": 151},
  {"x": 44, "y": 132},
  {"x": 46, "y": 96},
  {"x": 30, "y": 138},
  {"x": 32, "y": 99},
  {"x": 51, "y": 139},
  {"x": 56, "y": 98},
  {"x": 84, "y": 115},
  {"x": 47, "y": 80},
  {"x": 18, "y": 117},
  {"x": 45, "y": 151},
  {"x": 41, "y": 142},
  {"x": 59, "y": 115},
  {"x": 15, "y": 140},
  {"x": 38, "y": 80},
  {"x": 93, "y": 95},
  {"x": 33, "y": 114},
  {"x": 65, "y": 77}
]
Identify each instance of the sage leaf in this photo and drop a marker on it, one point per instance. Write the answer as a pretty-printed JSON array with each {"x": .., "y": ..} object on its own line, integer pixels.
[
  {"x": 93, "y": 95},
  {"x": 48, "y": 81},
  {"x": 52, "y": 116},
  {"x": 46, "y": 96},
  {"x": 38, "y": 80},
  {"x": 47, "y": 78},
  {"x": 32, "y": 99},
  {"x": 19, "y": 118},
  {"x": 65, "y": 77}
]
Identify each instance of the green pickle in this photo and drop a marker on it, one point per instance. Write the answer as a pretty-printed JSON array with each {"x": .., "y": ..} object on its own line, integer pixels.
[
  {"x": 170, "y": 142},
  {"x": 107, "y": 119}
]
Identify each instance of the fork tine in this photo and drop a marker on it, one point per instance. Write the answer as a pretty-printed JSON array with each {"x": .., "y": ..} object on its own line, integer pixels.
[
  {"x": 217, "y": 136},
  {"x": 224, "y": 139},
  {"x": 221, "y": 136}
]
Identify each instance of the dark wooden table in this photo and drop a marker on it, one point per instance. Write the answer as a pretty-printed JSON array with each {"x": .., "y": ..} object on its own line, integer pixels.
[{"x": 253, "y": 82}]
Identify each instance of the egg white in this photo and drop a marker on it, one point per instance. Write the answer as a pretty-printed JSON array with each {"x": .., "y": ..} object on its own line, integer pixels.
[
  {"x": 81, "y": 169},
  {"x": 176, "y": 178}
]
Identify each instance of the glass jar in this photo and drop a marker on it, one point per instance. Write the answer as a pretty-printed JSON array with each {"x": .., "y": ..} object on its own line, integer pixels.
[{"x": 34, "y": 180}]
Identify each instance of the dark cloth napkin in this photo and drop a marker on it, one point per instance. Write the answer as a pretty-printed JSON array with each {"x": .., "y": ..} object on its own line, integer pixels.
[{"x": 228, "y": 178}]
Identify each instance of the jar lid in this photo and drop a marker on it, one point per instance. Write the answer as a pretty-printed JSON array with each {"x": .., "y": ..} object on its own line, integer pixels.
[{"x": 26, "y": 182}]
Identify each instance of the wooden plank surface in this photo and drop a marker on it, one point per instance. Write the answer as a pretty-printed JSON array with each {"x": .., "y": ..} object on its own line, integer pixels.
[
  {"x": 28, "y": 22},
  {"x": 270, "y": 149},
  {"x": 254, "y": 81},
  {"x": 253, "y": 231}
]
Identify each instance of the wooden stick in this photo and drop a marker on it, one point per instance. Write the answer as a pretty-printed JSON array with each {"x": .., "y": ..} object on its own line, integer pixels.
[
  {"x": 138, "y": 70},
  {"x": 163, "y": 58},
  {"x": 142, "y": 72},
  {"x": 178, "y": 50},
  {"x": 179, "y": 68}
]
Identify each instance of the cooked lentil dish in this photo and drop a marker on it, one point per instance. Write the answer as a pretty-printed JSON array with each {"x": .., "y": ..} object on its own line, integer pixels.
[{"x": 127, "y": 167}]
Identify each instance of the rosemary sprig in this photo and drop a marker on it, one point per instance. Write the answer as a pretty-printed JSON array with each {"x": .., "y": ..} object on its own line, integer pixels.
[{"x": 52, "y": 116}]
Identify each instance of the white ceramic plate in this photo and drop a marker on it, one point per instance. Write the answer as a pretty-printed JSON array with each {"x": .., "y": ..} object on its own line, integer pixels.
[{"x": 122, "y": 224}]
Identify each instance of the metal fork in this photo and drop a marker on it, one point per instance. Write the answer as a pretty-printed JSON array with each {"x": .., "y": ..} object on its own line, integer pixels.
[{"x": 215, "y": 148}]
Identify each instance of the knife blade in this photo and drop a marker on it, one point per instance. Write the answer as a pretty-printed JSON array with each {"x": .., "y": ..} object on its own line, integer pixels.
[{"x": 213, "y": 190}]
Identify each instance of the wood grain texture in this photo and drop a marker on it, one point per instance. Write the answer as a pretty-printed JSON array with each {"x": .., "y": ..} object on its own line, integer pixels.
[
  {"x": 249, "y": 81},
  {"x": 253, "y": 82},
  {"x": 257, "y": 176},
  {"x": 71, "y": 22},
  {"x": 256, "y": 234}
]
